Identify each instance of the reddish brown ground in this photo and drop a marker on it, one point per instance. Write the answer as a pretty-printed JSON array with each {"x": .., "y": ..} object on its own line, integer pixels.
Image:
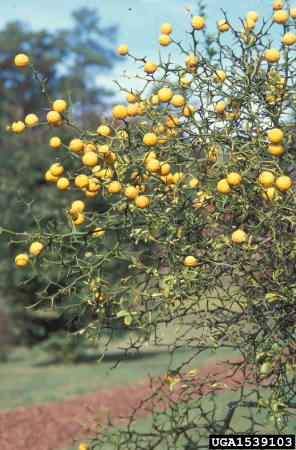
[{"x": 52, "y": 426}]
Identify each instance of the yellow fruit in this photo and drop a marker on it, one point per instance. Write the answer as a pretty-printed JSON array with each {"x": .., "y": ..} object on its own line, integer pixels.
[
  {"x": 289, "y": 38},
  {"x": 132, "y": 110},
  {"x": 153, "y": 165},
  {"x": 142, "y": 201},
  {"x": 179, "y": 177},
  {"x": 63, "y": 183},
  {"x": 21, "y": 260},
  {"x": 18, "y": 126},
  {"x": 90, "y": 147},
  {"x": 56, "y": 169},
  {"x": 275, "y": 135},
  {"x": 109, "y": 158},
  {"x": 114, "y": 187},
  {"x": 234, "y": 116},
  {"x": 193, "y": 182},
  {"x": 81, "y": 181},
  {"x": 73, "y": 214},
  {"x": 76, "y": 145},
  {"x": 60, "y": 106},
  {"x": 220, "y": 106},
  {"x": 238, "y": 237},
  {"x": 283, "y": 183},
  {"x": 166, "y": 28},
  {"x": 131, "y": 97},
  {"x": 167, "y": 379},
  {"x": 177, "y": 100},
  {"x": 172, "y": 133},
  {"x": 150, "y": 67},
  {"x": 150, "y": 139},
  {"x": 80, "y": 220},
  {"x": 99, "y": 298},
  {"x": 233, "y": 104},
  {"x": 198, "y": 23},
  {"x": 162, "y": 140},
  {"x": 191, "y": 61},
  {"x": 78, "y": 205},
  {"x": 98, "y": 232},
  {"x": 277, "y": 5},
  {"x": 275, "y": 149},
  {"x": 131, "y": 192},
  {"x": 21, "y": 60},
  {"x": 154, "y": 100},
  {"x": 233, "y": 179},
  {"x": 253, "y": 16},
  {"x": 31, "y": 120},
  {"x": 54, "y": 118},
  {"x": 249, "y": 24},
  {"x": 269, "y": 193},
  {"x": 158, "y": 128},
  {"x": 219, "y": 76},
  {"x": 102, "y": 173},
  {"x": 137, "y": 177},
  {"x": 266, "y": 179},
  {"x": 280, "y": 17},
  {"x": 58, "y": 123},
  {"x": 190, "y": 261},
  {"x": 272, "y": 55},
  {"x": 169, "y": 179},
  {"x": 222, "y": 26},
  {"x": 122, "y": 50},
  {"x": 293, "y": 13},
  {"x": 164, "y": 169},
  {"x": 223, "y": 187},
  {"x": 90, "y": 159},
  {"x": 188, "y": 111},
  {"x": 90, "y": 194},
  {"x": 103, "y": 150},
  {"x": 55, "y": 142},
  {"x": 171, "y": 121},
  {"x": 119, "y": 112},
  {"x": 36, "y": 248},
  {"x": 103, "y": 130},
  {"x": 149, "y": 155},
  {"x": 93, "y": 185},
  {"x": 164, "y": 40},
  {"x": 164, "y": 95},
  {"x": 50, "y": 177},
  {"x": 83, "y": 446},
  {"x": 184, "y": 83}
]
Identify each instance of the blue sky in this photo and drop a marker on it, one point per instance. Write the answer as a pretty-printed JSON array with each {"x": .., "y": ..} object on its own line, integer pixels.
[{"x": 138, "y": 22}]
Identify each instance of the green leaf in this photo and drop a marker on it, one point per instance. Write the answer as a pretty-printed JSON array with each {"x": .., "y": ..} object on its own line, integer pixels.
[
  {"x": 173, "y": 383},
  {"x": 264, "y": 369},
  {"x": 274, "y": 76},
  {"x": 128, "y": 320},
  {"x": 123, "y": 313}
]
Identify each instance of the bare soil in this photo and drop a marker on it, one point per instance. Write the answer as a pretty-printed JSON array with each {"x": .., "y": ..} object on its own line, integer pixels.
[{"x": 52, "y": 426}]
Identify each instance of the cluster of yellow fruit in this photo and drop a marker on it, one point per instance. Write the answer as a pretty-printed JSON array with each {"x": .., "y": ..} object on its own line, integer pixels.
[
  {"x": 22, "y": 259},
  {"x": 76, "y": 214},
  {"x": 101, "y": 144},
  {"x": 197, "y": 23},
  {"x": 167, "y": 379}
]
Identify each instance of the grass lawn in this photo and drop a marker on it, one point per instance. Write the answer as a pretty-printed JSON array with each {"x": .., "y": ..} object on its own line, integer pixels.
[{"x": 29, "y": 380}]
